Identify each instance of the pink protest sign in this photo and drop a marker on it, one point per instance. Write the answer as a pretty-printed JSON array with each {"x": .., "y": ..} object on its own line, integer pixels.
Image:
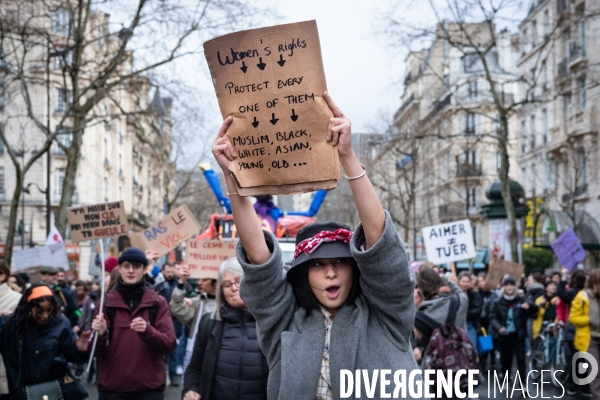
[{"x": 568, "y": 249}]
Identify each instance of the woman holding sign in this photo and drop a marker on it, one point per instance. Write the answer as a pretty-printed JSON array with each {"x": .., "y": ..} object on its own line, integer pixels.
[{"x": 347, "y": 302}]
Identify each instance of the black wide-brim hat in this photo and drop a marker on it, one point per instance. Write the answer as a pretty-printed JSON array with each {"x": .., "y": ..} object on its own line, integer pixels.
[{"x": 336, "y": 249}]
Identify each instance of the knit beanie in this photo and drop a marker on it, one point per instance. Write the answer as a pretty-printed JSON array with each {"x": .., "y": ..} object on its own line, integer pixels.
[
  {"x": 133, "y": 254},
  {"x": 509, "y": 281},
  {"x": 110, "y": 263}
]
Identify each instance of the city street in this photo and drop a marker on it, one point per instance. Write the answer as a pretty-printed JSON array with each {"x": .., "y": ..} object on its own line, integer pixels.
[{"x": 174, "y": 393}]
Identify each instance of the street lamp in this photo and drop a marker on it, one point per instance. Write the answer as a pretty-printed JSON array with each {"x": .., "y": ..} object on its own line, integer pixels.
[
  {"x": 26, "y": 190},
  {"x": 49, "y": 155}
]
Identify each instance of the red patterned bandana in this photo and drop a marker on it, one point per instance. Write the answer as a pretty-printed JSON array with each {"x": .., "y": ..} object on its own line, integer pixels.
[{"x": 309, "y": 245}]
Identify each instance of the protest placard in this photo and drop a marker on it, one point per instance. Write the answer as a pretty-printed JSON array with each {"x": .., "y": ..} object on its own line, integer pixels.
[
  {"x": 449, "y": 242},
  {"x": 204, "y": 257},
  {"x": 271, "y": 80},
  {"x": 568, "y": 249},
  {"x": 54, "y": 255},
  {"x": 177, "y": 227},
  {"x": 498, "y": 268},
  {"x": 97, "y": 221}
]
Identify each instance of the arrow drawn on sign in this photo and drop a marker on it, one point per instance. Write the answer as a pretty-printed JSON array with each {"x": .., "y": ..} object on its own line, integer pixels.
[
  {"x": 281, "y": 61},
  {"x": 255, "y": 123},
  {"x": 261, "y": 65},
  {"x": 273, "y": 119},
  {"x": 294, "y": 117},
  {"x": 243, "y": 67}
]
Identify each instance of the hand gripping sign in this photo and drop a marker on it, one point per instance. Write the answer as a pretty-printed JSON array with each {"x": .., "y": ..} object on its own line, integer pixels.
[
  {"x": 272, "y": 81},
  {"x": 96, "y": 222}
]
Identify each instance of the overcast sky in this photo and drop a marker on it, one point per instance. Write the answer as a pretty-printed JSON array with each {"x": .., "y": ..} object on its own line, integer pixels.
[{"x": 360, "y": 69}]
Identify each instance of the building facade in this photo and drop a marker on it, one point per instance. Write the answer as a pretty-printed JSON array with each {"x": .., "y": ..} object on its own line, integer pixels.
[
  {"x": 126, "y": 145},
  {"x": 445, "y": 153},
  {"x": 558, "y": 151}
]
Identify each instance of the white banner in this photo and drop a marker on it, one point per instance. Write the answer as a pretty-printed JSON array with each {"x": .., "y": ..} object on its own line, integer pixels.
[
  {"x": 449, "y": 242},
  {"x": 43, "y": 256}
]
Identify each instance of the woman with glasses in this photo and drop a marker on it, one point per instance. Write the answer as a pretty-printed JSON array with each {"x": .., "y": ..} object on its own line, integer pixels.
[
  {"x": 135, "y": 332},
  {"x": 227, "y": 362},
  {"x": 37, "y": 344}
]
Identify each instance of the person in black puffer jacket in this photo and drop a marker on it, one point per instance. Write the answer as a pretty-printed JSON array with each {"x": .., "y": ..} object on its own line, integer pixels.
[
  {"x": 227, "y": 362},
  {"x": 508, "y": 320}
]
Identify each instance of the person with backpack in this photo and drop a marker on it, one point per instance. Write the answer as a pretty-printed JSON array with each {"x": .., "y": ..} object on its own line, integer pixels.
[
  {"x": 135, "y": 333},
  {"x": 227, "y": 337},
  {"x": 347, "y": 301},
  {"x": 440, "y": 325},
  {"x": 508, "y": 320}
]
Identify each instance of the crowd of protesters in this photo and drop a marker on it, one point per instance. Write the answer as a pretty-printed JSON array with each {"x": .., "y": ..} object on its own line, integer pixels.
[
  {"x": 349, "y": 300},
  {"x": 515, "y": 313}
]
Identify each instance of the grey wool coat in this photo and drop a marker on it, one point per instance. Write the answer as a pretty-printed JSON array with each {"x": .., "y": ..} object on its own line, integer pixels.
[{"x": 373, "y": 333}]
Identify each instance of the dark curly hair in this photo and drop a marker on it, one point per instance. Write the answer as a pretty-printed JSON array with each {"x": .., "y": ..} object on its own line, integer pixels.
[{"x": 22, "y": 315}]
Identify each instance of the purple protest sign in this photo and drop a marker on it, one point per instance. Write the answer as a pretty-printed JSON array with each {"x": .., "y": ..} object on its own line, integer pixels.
[{"x": 568, "y": 249}]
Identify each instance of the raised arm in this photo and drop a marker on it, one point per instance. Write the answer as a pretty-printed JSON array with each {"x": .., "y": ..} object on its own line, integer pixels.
[
  {"x": 367, "y": 203},
  {"x": 246, "y": 220}
]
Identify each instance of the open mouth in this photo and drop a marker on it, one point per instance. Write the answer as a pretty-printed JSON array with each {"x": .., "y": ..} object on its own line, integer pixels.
[{"x": 332, "y": 291}]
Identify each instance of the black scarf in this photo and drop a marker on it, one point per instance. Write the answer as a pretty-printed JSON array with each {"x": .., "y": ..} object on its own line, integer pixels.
[{"x": 132, "y": 294}]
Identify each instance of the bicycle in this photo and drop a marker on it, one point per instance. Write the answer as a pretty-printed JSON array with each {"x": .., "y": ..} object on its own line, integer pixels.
[{"x": 549, "y": 353}]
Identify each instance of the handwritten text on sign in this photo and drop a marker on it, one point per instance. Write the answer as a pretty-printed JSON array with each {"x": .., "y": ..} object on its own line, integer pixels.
[
  {"x": 177, "y": 227},
  {"x": 568, "y": 249},
  {"x": 272, "y": 81},
  {"x": 449, "y": 242},
  {"x": 204, "y": 257},
  {"x": 97, "y": 221}
]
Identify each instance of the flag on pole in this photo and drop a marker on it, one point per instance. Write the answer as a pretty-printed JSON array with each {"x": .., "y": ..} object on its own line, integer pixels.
[{"x": 54, "y": 237}]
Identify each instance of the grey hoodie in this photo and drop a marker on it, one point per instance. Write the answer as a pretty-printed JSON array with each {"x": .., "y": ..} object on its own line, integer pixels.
[{"x": 437, "y": 308}]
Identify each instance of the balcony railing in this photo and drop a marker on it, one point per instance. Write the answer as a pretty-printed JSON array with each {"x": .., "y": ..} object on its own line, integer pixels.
[
  {"x": 405, "y": 105},
  {"x": 439, "y": 105},
  {"x": 467, "y": 170},
  {"x": 579, "y": 190},
  {"x": 451, "y": 210}
]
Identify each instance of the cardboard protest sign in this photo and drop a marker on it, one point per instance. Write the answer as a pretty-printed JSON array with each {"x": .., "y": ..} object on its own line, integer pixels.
[
  {"x": 272, "y": 81},
  {"x": 43, "y": 256},
  {"x": 177, "y": 227},
  {"x": 97, "y": 221},
  {"x": 568, "y": 249},
  {"x": 449, "y": 242},
  {"x": 204, "y": 257},
  {"x": 498, "y": 268}
]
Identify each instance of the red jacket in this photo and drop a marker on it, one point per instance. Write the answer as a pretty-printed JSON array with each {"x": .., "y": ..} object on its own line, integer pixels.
[{"x": 132, "y": 361}]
